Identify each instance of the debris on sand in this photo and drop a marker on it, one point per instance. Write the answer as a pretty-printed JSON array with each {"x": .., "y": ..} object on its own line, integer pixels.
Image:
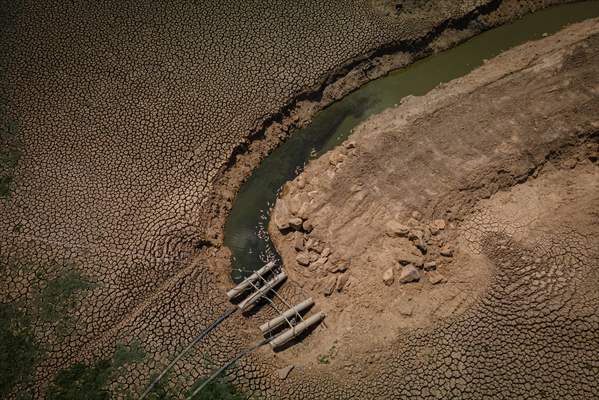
[
  {"x": 388, "y": 276},
  {"x": 435, "y": 277},
  {"x": 284, "y": 372},
  {"x": 409, "y": 273}
]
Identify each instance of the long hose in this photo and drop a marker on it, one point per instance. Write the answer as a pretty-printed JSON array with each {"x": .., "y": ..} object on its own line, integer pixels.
[
  {"x": 227, "y": 365},
  {"x": 220, "y": 319}
]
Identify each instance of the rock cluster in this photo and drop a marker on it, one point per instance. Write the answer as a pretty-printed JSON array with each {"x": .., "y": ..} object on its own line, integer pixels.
[{"x": 419, "y": 248}]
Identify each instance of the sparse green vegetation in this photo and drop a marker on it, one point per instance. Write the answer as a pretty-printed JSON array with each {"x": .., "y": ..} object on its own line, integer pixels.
[
  {"x": 9, "y": 153},
  {"x": 52, "y": 303},
  {"x": 218, "y": 389},
  {"x": 18, "y": 348},
  {"x": 81, "y": 381}
]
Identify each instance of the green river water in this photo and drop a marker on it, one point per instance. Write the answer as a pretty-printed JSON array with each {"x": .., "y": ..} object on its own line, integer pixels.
[{"x": 245, "y": 231}]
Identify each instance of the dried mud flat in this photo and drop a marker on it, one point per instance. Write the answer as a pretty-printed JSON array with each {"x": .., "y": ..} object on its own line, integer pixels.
[{"x": 461, "y": 224}]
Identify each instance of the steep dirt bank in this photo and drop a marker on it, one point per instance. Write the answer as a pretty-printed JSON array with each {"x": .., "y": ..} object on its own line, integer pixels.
[{"x": 471, "y": 212}]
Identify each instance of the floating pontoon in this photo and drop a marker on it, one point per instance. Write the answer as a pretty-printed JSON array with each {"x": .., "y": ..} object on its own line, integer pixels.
[
  {"x": 247, "y": 282},
  {"x": 296, "y": 330},
  {"x": 261, "y": 291},
  {"x": 281, "y": 319}
]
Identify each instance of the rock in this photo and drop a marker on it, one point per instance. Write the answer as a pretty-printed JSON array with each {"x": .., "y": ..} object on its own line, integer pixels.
[
  {"x": 336, "y": 158},
  {"x": 314, "y": 256},
  {"x": 338, "y": 267},
  {"x": 282, "y": 215},
  {"x": 430, "y": 266},
  {"x": 388, "y": 276},
  {"x": 406, "y": 309},
  {"x": 394, "y": 228},
  {"x": 307, "y": 226},
  {"x": 329, "y": 286},
  {"x": 569, "y": 163},
  {"x": 301, "y": 182},
  {"x": 293, "y": 204},
  {"x": 303, "y": 259},
  {"x": 416, "y": 215},
  {"x": 325, "y": 252},
  {"x": 409, "y": 273},
  {"x": 298, "y": 242},
  {"x": 284, "y": 372},
  {"x": 315, "y": 245},
  {"x": 446, "y": 251},
  {"x": 342, "y": 281},
  {"x": 319, "y": 263},
  {"x": 439, "y": 224},
  {"x": 435, "y": 277},
  {"x": 350, "y": 144},
  {"x": 404, "y": 256},
  {"x": 296, "y": 222},
  {"x": 304, "y": 210}
]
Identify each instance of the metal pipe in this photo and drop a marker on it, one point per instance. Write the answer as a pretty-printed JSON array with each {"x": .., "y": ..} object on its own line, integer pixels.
[
  {"x": 277, "y": 321},
  {"x": 254, "y": 297},
  {"x": 296, "y": 330},
  {"x": 246, "y": 282}
]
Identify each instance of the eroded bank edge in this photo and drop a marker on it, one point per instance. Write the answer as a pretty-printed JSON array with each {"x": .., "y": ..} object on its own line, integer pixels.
[{"x": 303, "y": 106}]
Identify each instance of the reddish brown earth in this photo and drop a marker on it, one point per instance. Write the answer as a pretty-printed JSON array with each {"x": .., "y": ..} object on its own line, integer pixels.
[{"x": 493, "y": 177}]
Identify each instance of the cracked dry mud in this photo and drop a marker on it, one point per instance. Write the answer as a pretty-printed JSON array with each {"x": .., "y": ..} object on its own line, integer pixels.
[
  {"x": 129, "y": 116},
  {"x": 495, "y": 178}
]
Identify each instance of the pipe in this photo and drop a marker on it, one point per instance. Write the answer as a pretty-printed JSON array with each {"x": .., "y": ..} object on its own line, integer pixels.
[
  {"x": 246, "y": 282},
  {"x": 220, "y": 319},
  {"x": 277, "y": 321},
  {"x": 254, "y": 297},
  {"x": 296, "y": 330}
]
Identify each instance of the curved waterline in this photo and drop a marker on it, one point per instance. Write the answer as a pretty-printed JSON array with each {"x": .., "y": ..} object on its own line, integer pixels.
[{"x": 246, "y": 228}]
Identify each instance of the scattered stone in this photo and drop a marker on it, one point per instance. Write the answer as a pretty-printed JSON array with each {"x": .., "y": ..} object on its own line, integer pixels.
[
  {"x": 569, "y": 163},
  {"x": 320, "y": 262},
  {"x": 307, "y": 226},
  {"x": 338, "y": 267},
  {"x": 329, "y": 286},
  {"x": 342, "y": 281},
  {"x": 406, "y": 309},
  {"x": 388, "y": 276},
  {"x": 315, "y": 245},
  {"x": 416, "y": 215},
  {"x": 405, "y": 257},
  {"x": 446, "y": 251},
  {"x": 282, "y": 215},
  {"x": 350, "y": 144},
  {"x": 298, "y": 242},
  {"x": 394, "y": 228},
  {"x": 336, "y": 158},
  {"x": 430, "y": 266},
  {"x": 303, "y": 259},
  {"x": 435, "y": 277},
  {"x": 409, "y": 273},
  {"x": 284, "y": 372},
  {"x": 325, "y": 252},
  {"x": 296, "y": 222},
  {"x": 314, "y": 256},
  {"x": 439, "y": 224}
]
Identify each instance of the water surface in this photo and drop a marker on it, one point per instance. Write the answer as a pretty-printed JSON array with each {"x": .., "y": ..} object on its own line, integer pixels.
[{"x": 245, "y": 231}]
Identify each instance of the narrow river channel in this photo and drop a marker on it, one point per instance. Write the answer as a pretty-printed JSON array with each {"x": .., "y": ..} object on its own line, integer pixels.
[{"x": 245, "y": 232}]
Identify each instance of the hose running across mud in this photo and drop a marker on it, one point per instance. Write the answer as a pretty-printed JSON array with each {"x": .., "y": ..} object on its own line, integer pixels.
[
  {"x": 220, "y": 319},
  {"x": 227, "y": 365}
]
